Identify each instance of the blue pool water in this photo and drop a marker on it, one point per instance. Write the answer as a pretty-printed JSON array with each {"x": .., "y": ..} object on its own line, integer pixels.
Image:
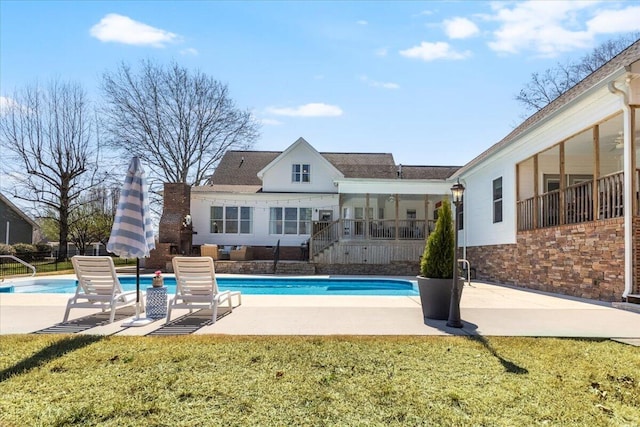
[{"x": 250, "y": 286}]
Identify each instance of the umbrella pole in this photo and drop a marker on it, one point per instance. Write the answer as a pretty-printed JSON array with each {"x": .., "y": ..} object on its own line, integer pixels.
[{"x": 138, "y": 321}]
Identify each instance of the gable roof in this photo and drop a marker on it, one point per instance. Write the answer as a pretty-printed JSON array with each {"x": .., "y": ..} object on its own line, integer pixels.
[
  {"x": 242, "y": 167},
  {"x": 299, "y": 142},
  {"x": 18, "y": 211},
  {"x": 598, "y": 78}
]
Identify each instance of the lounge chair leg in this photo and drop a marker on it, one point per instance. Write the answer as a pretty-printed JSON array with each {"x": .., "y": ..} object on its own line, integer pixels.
[
  {"x": 66, "y": 313},
  {"x": 215, "y": 312}
]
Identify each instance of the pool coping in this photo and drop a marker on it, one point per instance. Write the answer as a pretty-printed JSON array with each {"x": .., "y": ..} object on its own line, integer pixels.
[{"x": 487, "y": 309}]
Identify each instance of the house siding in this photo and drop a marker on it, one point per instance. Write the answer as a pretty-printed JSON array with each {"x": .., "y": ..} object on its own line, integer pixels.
[
  {"x": 20, "y": 231},
  {"x": 582, "y": 260}
]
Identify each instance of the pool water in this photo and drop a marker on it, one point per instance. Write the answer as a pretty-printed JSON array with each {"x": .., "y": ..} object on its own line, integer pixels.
[{"x": 250, "y": 286}]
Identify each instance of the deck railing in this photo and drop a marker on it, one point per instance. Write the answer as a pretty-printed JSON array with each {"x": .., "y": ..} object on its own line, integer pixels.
[
  {"x": 575, "y": 204},
  {"x": 327, "y": 233}
]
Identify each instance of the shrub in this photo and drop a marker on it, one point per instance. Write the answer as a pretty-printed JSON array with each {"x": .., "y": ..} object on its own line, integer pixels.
[
  {"x": 439, "y": 252},
  {"x": 7, "y": 249},
  {"x": 25, "y": 251}
]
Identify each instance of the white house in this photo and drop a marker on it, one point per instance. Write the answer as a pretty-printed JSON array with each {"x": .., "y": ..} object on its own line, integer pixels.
[
  {"x": 349, "y": 208},
  {"x": 554, "y": 205}
]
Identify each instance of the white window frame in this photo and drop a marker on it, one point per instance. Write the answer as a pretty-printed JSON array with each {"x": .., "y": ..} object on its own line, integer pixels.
[
  {"x": 226, "y": 222},
  {"x": 301, "y": 173}
]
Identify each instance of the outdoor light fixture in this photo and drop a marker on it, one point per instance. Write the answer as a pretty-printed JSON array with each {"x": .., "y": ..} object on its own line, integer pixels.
[{"x": 454, "y": 308}]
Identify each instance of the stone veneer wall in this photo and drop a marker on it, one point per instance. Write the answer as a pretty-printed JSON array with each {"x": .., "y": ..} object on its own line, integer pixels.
[
  {"x": 584, "y": 260},
  {"x": 411, "y": 269}
]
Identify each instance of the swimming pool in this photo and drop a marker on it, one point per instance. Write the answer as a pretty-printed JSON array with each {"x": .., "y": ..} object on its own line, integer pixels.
[{"x": 249, "y": 286}]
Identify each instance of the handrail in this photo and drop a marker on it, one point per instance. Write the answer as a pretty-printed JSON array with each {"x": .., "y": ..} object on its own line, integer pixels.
[
  {"x": 26, "y": 264},
  {"x": 468, "y": 265}
]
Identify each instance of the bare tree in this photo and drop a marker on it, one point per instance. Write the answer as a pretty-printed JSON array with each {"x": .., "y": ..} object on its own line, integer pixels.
[
  {"x": 544, "y": 87},
  {"x": 47, "y": 133},
  {"x": 178, "y": 122}
]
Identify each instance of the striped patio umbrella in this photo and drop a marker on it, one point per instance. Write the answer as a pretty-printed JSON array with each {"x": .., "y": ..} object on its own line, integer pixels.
[{"x": 132, "y": 232}]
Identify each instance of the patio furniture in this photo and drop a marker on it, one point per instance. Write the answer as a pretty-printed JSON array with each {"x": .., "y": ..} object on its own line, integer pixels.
[
  {"x": 241, "y": 253},
  {"x": 98, "y": 286},
  {"x": 196, "y": 286}
]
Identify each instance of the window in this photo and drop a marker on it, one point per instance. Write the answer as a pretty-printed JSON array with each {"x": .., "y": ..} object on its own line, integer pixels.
[
  {"x": 497, "y": 200},
  {"x": 301, "y": 173},
  {"x": 217, "y": 219},
  {"x": 290, "y": 221},
  {"x": 275, "y": 221},
  {"x": 231, "y": 219}
]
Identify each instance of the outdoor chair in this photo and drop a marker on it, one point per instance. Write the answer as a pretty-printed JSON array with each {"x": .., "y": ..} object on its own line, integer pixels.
[
  {"x": 98, "y": 286},
  {"x": 196, "y": 286}
]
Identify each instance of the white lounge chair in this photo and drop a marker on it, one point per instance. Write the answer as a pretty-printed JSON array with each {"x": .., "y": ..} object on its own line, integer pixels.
[
  {"x": 98, "y": 286},
  {"x": 196, "y": 286}
]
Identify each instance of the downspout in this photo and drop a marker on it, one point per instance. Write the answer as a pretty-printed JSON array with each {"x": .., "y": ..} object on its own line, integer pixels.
[{"x": 628, "y": 169}]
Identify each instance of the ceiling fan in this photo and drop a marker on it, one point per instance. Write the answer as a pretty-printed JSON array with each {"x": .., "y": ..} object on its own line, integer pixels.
[{"x": 618, "y": 142}]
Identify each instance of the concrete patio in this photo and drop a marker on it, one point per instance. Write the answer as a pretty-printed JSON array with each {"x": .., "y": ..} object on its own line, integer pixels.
[{"x": 487, "y": 309}]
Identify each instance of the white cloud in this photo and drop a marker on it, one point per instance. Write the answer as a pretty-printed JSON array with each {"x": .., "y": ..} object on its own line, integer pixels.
[
  {"x": 189, "y": 51},
  {"x": 362, "y": 22},
  {"x": 432, "y": 51},
  {"x": 382, "y": 51},
  {"x": 616, "y": 21},
  {"x": 6, "y": 104},
  {"x": 270, "y": 122},
  {"x": 122, "y": 29},
  {"x": 383, "y": 85},
  {"x": 460, "y": 28},
  {"x": 551, "y": 28},
  {"x": 314, "y": 109}
]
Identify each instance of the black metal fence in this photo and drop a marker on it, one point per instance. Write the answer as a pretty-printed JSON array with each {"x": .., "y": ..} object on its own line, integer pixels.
[{"x": 44, "y": 262}]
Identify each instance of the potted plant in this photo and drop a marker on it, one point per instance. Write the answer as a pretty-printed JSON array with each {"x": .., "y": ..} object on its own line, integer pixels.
[
  {"x": 157, "y": 281},
  {"x": 436, "y": 267}
]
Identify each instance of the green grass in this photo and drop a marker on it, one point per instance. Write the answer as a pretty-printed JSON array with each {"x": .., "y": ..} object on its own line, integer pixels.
[{"x": 55, "y": 380}]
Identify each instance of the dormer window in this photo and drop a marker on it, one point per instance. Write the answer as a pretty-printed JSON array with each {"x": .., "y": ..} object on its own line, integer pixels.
[{"x": 301, "y": 173}]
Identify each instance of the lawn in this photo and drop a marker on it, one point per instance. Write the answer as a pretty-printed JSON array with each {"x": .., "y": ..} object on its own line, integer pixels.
[{"x": 56, "y": 380}]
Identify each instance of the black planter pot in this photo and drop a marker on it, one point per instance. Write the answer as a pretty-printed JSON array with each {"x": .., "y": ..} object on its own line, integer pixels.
[{"x": 435, "y": 297}]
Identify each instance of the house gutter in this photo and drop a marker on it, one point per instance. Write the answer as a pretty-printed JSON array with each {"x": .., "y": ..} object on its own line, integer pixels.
[{"x": 628, "y": 169}]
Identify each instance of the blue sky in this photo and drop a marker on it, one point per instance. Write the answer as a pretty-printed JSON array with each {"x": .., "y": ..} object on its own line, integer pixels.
[{"x": 430, "y": 82}]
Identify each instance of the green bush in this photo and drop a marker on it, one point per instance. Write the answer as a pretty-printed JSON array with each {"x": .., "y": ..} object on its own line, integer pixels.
[
  {"x": 43, "y": 250},
  {"x": 7, "y": 249},
  {"x": 439, "y": 252},
  {"x": 25, "y": 251}
]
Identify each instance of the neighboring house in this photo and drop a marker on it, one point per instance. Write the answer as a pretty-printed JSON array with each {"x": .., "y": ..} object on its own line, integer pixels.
[
  {"x": 349, "y": 208},
  {"x": 554, "y": 205},
  {"x": 15, "y": 225}
]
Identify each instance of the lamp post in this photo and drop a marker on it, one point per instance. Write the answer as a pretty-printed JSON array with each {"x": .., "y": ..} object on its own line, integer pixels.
[{"x": 454, "y": 308}]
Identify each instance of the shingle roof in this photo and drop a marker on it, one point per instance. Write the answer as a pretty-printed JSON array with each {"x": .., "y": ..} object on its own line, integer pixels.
[
  {"x": 242, "y": 167},
  {"x": 363, "y": 165},
  {"x": 427, "y": 172}
]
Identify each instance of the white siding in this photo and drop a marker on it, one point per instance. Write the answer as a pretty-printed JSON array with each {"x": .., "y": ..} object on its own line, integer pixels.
[
  {"x": 479, "y": 227},
  {"x": 261, "y": 203},
  {"x": 277, "y": 178}
]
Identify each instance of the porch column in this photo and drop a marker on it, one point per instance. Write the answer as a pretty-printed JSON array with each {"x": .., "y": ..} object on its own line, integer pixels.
[
  {"x": 397, "y": 197},
  {"x": 367, "y": 218},
  {"x": 563, "y": 208},
  {"x": 596, "y": 172},
  {"x": 536, "y": 193}
]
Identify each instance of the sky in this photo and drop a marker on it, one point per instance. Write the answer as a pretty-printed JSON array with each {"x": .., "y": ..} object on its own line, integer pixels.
[{"x": 433, "y": 83}]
